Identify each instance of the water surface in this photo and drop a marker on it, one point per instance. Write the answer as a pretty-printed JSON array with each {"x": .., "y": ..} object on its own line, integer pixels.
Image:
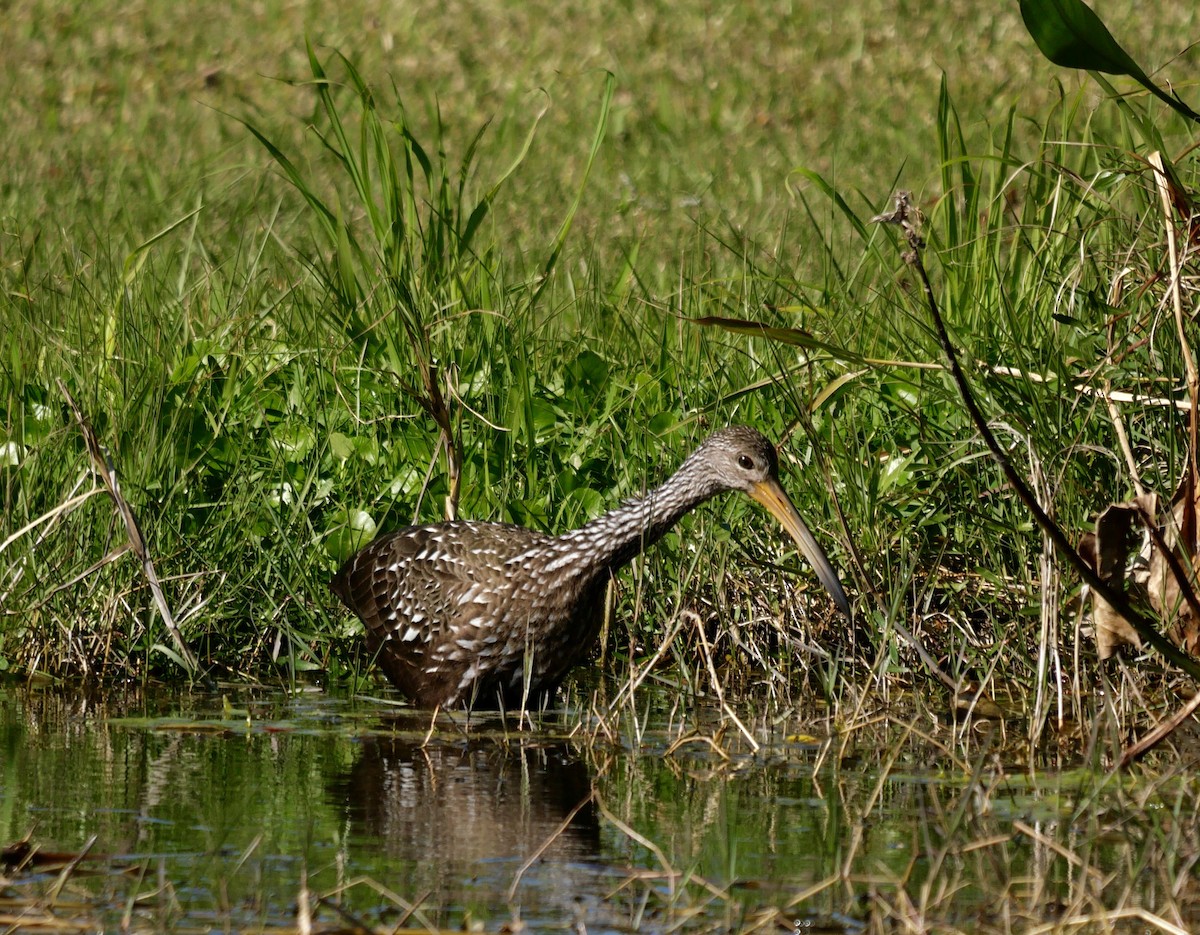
[{"x": 222, "y": 812}]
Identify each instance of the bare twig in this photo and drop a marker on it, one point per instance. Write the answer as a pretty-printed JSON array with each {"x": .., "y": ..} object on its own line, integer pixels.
[{"x": 1163, "y": 730}]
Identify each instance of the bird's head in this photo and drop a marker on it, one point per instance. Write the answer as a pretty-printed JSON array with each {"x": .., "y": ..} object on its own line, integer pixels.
[{"x": 740, "y": 458}]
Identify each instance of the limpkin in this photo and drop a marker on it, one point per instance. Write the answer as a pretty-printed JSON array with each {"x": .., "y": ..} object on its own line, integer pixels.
[{"x": 476, "y": 613}]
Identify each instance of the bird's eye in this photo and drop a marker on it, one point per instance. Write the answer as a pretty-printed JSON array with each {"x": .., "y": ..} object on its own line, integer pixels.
[{"x": 745, "y": 462}]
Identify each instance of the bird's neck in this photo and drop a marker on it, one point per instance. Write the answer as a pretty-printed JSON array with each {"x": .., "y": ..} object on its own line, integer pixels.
[{"x": 617, "y": 537}]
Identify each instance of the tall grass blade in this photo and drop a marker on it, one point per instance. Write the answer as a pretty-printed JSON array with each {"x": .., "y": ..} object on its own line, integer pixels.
[{"x": 560, "y": 238}]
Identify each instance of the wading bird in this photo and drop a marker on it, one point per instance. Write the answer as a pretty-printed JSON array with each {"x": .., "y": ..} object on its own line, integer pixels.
[{"x": 485, "y": 613}]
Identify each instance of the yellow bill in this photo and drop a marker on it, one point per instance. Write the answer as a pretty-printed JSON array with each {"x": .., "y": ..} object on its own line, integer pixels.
[{"x": 772, "y": 496}]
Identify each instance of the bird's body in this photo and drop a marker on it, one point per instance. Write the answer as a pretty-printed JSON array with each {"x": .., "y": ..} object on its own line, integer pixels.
[
  {"x": 478, "y": 613},
  {"x": 454, "y": 610}
]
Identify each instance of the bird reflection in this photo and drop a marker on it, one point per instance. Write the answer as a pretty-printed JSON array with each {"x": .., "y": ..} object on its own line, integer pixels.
[{"x": 467, "y": 801}]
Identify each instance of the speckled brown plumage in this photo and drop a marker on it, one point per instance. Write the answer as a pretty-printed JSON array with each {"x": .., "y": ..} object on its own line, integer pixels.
[{"x": 479, "y": 613}]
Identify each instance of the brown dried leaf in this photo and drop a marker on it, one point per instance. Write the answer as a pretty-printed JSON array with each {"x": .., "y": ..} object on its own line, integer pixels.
[
  {"x": 1175, "y": 606},
  {"x": 1178, "y": 196},
  {"x": 1107, "y": 551}
]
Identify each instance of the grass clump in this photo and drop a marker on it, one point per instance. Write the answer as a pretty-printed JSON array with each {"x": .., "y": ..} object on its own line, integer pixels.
[{"x": 418, "y": 298}]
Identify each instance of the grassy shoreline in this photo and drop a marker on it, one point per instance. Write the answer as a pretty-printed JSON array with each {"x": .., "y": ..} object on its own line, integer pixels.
[{"x": 253, "y": 428}]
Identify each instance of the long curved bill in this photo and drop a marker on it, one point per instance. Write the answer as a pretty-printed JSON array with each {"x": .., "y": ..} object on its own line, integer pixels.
[{"x": 772, "y": 496}]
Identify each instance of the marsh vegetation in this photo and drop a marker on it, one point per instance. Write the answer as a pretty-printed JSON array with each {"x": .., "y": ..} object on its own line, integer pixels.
[{"x": 519, "y": 261}]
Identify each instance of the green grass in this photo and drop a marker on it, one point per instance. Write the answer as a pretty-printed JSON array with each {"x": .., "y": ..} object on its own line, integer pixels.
[{"x": 225, "y": 313}]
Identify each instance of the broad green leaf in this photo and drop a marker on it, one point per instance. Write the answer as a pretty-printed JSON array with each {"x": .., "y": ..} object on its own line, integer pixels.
[
  {"x": 1071, "y": 35},
  {"x": 348, "y": 530},
  {"x": 341, "y": 446}
]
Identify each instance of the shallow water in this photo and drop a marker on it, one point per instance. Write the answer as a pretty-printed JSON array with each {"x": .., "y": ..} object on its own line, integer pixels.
[{"x": 217, "y": 814}]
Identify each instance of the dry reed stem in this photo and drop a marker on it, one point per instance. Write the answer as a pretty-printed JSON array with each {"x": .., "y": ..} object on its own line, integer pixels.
[
  {"x": 716, "y": 682},
  {"x": 86, "y": 573},
  {"x": 61, "y": 510},
  {"x": 635, "y": 677},
  {"x": 17, "y": 571},
  {"x": 1050, "y": 844},
  {"x": 671, "y": 874},
  {"x": 1180, "y": 574},
  {"x": 411, "y": 909},
  {"x": 679, "y": 742},
  {"x": 357, "y": 924},
  {"x": 102, "y": 465},
  {"x": 926, "y": 657},
  {"x": 809, "y": 892},
  {"x": 511, "y": 893},
  {"x": 1107, "y": 918},
  {"x": 304, "y": 905},
  {"x": 1162, "y": 182},
  {"x": 65, "y": 875},
  {"x": 601, "y": 723},
  {"x": 1106, "y": 392},
  {"x": 1118, "y": 424},
  {"x": 248, "y": 851},
  {"x": 856, "y": 836},
  {"x": 432, "y": 726}
]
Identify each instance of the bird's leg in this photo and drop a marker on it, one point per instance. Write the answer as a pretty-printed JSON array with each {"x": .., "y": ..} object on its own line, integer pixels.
[{"x": 432, "y": 724}]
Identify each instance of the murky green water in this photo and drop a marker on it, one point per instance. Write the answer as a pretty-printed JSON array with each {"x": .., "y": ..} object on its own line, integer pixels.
[{"x": 210, "y": 818}]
